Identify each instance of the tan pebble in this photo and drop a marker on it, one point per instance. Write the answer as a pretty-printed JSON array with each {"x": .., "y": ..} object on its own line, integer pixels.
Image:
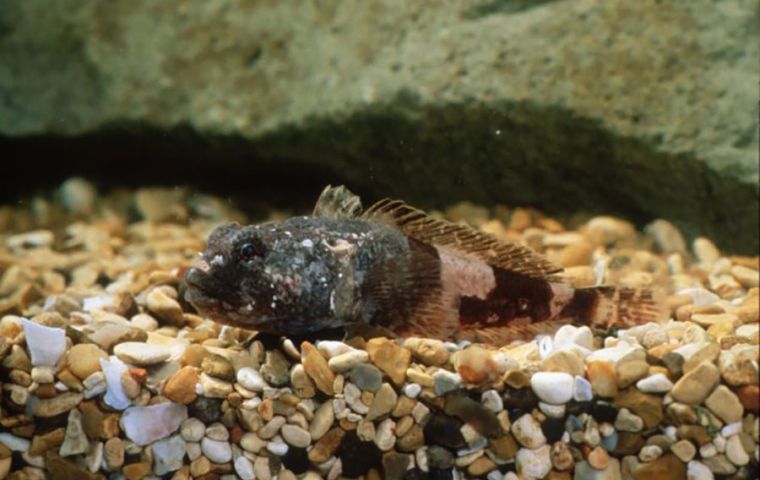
[
  {"x": 404, "y": 407},
  {"x": 747, "y": 277},
  {"x": 113, "y": 453},
  {"x": 481, "y": 466},
  {"x": 84, "y": 359},
  {"x": 193, "y": 355},
  {"x": 163, "y": 305},
  {"x": 598, "y": 458},
  {"x": 200, "y": 466},
  {"x": 648, "y": 407},
  {"x": 428, "y": 351},
  {"x": 326, "y": 446},
  {"x": 605, "y": 230},
  {"x": 603, "y": 378},
  {"x": 316, "y": 367},
  {"x": 419, "y": 377},
  {"x": 684, "y": 450},
  {"x": 136, "y": 471},
  {"x": 476, "y": 365},
  {"x": 708, "y": 351},
  {"x": 413, "y": 440},
  {"x": 666, "y": 467},
  {"x": 57, "y": 405},
  {"x": 43, "y": 443},
  {"x": 567, "y": 361},
  {"x": 384, "y": 401},
  {"x": 219, "y": 367},
  {"x": 684, "y": 313},
  {"x": 667, "y": 237},
  {"x": 705, "y": 251},
  {"x": 576, "y": 254},
  {"x": 130, "y": 385},
  {"x": 301, "y": 383},
  {"x": 390, "y": 358},
  {"x": 504, "y": 447},
  {"x": 725, "y": 404},
  {"x": 629, "y": 372},
  {"x": 694, "y": 386},
  {"x": 180, "y": 387}
]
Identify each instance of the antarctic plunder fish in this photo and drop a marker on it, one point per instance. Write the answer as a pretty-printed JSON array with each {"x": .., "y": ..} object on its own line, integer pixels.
[{"x": 394, "y": 269}]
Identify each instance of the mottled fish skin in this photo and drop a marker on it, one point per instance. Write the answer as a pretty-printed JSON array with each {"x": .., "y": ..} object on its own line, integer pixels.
[{"x": 395, "y": 268}]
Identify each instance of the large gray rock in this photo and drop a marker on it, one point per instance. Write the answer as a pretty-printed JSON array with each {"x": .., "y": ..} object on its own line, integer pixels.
[{"x": 641, "y": 108}]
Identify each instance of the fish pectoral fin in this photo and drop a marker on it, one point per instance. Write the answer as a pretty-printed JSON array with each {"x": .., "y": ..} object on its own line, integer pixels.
[
  {"x": 367, "y": 331},
  {"x": 338, "y": 203},
  {"x": 462, "y": 238}
]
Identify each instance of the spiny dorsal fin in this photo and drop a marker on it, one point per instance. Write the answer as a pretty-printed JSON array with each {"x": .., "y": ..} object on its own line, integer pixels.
[
  {"x": 484, "y": 246},
  {"x": 338, "y": 203}
]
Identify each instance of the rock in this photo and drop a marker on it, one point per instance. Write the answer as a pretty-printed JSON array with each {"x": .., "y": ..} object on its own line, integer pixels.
[
  {"x": 113, "y": 453},
  {"x": 344, "y": 361},
  {"x": 749, "y": 396},
  {"x": 108, "y": 334},
  {"x": 664, "y": 468},
  {"x": 141, "y": 354},
  {"x": 445, "y": 381},
  {"x": 735, "y": 451},
  {"x": 657, "y": 383},
  {"x": 46, "y": 345},
  {"x": 475, "y": 365},
  {"x": 603, "y": 378},
  {"x": 695, "y": 385},
  {"x": 384, "y": 436},
  {"x": 84, "y": 359},
  {"x": 667, "y": 237},
  {"x": 738, "y": 366},
  {"x": 555, "y": 388},
  {"x": 114, "y": 369},
  {"x": 586, "y": 471},
  {"x": 62, "y": 403},
  {"x": 300, "y": 381},
  {"x": 168, "y": 455},
  {"x": 528, "y": 432},
  {"x": 275, "y": 368},
  {"x": 719, "y": 464},
  {"x": 628, "y": 422},
  {"x": 698, "y": 471},
  {"x": 569, "y": 335},
  {"x": 534, "y": 463},
  {"x": 384, "y": 401},
  {"x": 567, "y": 361},
  {"x": 214, "y": 387},
  {"x": 59, "y": 468},
  {"x": 389, "y": 358},
  {"x": 144, "y": 425},
  {"x": 316, "y": 367},
  {"x": 322, "y": 421},
  {"x": 251, "y": 379},
  {"x": 366, "y": 376},
  {"x": 163, "y": 306},
  {"x": 42, "y": 443},
  {"x": 684, "y": 450},
  {"x": 192, "y": 430},
  {"x": 218, "y": 367},
  {"x": 648, "y": 407},
  {"x": 471, "y": 412},
  {"x": 75, "y": 441},
  {"x": 582, "y": 390},
  {"x": 180, "y": 387},
  {"x": 216, "y": 451},
  {"x": 244, "y": 468},
  {"x": 428, "y": 351},
  {"x": 444, "y": 431},
  {"x": 441, "y": 458},
  {"x": 629, "y": 372},
  {"x": 295, "y": 436},
  {"x": 326, "y": 446},
  {"x": 492, "y": 401},
  {"x": 725, "y": 404}
]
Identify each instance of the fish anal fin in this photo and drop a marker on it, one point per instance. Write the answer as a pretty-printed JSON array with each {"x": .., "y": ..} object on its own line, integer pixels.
[
  {"x": 471, "y": 242},
  {"x": 501, "y": 336},
  {"x": 337, "y": 203},
  {"x": 609, "y": 306}
]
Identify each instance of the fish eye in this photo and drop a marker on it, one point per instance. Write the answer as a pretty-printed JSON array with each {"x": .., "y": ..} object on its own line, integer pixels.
[
  {"x": 523, "y": 304},
  {"x": 250, "y": 250}
]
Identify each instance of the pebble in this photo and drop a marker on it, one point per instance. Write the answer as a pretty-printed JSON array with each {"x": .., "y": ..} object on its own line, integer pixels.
[
  {"x": 445, "y": 381},
  {"x": 344, "y": 361},
  {"x": 695, "y": 385},
  {"x": 163, "y": 419},
  {"x": 275, "y": 369},
  {"x": 163, "y": 306},
  {"x": 168, "y": 455},
  {"x": 141, "y": 354},
  {"x": 295, "y": 436},
  {"x": 46, "y": 344},
  {"x": 384, "y": 401},
  {"x": 527, "y": 432},
  {"x": 384, "y": 436},
  {"x": 725, "y": 404},
  {"x": 216, "y": 451},
  {"x": 555, "y": 388},
  {"x": 492, "y": 401},
  {"x": 684, "y": 450},
  {"x": 52, "y": 407},
  {"x": 428, "y": 351},
  {"x": 572, "y": 335},
  {"x": 277, "y": 448},
  {"x": 251, "y": 379},
  {"x": 316, "y": 368},
  {"x": 322, "y": 421},
  {"x": 698, "y": 471},
  {"x": 366, "y": 376},
  {"x": 75, "y": 441},
  {"x": 735, "y": 451},
  {"x": 412, "y": 390},
  {"x": 646, "y": 406},
  {"x": 603, "y": 378},
  {"x": 389, "y": 358},
  {"x": 244, "y": 468},
  {"x": 582, "y": 389},
  {"x": 192, "y": 430},
  {"x": 567, "y": 361},
  {"x": 628, "y": 422},
  {"x": 657, "y": 383},
  {"x": 181, "y": 386},
  {"x": 534, "y": 463},
  {"x": 84, "y": 359},
  {"x": 650, "y": 453}
]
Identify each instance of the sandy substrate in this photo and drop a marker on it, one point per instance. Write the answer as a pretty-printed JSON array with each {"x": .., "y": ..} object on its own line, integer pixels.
[{"x": 107, "y": 373}]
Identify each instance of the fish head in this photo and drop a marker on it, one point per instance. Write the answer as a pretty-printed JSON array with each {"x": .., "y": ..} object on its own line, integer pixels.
[{"x": 261, "y": 277}]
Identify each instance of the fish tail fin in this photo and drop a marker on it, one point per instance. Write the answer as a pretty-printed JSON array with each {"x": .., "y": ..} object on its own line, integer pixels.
[{"x": 608, "y": 306}]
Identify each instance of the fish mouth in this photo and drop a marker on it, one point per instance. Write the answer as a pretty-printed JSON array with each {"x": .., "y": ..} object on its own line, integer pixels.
[{"x": 197, "y": 293}]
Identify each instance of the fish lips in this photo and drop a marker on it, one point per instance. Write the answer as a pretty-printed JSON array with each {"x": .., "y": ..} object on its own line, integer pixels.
[{"x": 197, "y": 292}]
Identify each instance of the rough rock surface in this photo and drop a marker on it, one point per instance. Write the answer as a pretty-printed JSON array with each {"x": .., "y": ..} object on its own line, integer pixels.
[{"x": 650, "y": 107}]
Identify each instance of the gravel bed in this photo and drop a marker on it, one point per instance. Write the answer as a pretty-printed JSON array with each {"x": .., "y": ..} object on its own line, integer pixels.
[{"x": 107, "y": 373}]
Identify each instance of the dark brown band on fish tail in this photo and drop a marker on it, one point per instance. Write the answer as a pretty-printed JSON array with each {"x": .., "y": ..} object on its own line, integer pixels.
[{"x": 608, "y": 306}]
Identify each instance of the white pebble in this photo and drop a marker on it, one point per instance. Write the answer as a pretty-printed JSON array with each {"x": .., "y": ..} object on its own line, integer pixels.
[
  {"x": 251, "y": 379},
  {"x": 731, "y": 429},
  {"x": 17, "y": 444},
  {"x": 698, "y": 471},
  {"x": 168, "y": 454},
  {"x": 163, "y": 419},
  {"x": 46, "y": 344},
  {"x": 331, "y": 348},
  {"x": 657, "y": 383},
  {"x": 649, "y": 453},
  {"x": 277, "y": 448},
  {"x": 244, "y": 468},
  {"x": 115, "y": 397},
  {"x": 555, "y": 388},
  {"x": 344, "y": 361},
  {"x": 582, "y": 391},
  {"x": 553, "y": 411},
  {"x": 534, "y": 463},
  {"x": 216, "y": 451},
  {"x": 707, "y": 450},
  {"x": 411, "y": 390},
  {"x": 492, "y": 401}
]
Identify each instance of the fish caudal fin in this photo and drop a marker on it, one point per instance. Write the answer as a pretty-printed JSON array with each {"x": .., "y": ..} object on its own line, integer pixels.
[{"x": 610, "y": 306}]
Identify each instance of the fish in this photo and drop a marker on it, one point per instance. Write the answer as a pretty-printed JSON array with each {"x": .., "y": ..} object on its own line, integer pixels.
[{"x": 395, "y": 270}]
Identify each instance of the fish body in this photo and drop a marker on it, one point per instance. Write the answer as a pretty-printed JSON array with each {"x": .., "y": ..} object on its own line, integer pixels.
[{"x": 394, "y": 268}]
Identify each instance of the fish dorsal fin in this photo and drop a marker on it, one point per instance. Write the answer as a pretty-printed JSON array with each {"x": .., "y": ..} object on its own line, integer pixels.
[
  {"x": 338, "y": 203},
  {"x": 481, "y": 245}
]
